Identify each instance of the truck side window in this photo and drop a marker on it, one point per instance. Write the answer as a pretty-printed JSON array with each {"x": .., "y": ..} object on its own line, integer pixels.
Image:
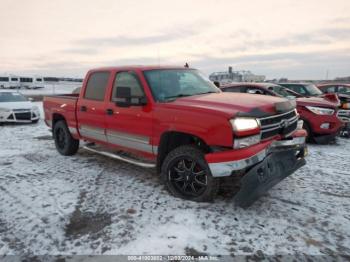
[
  {"x": 127, "y": 79},
  {"x": 96, "y": 86}
]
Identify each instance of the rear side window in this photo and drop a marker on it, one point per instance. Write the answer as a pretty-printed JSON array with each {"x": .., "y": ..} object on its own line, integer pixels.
[{"x": 96, "y": 86}]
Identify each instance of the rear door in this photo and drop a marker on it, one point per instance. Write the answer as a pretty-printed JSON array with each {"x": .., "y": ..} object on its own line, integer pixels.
[
  {"x": 91, "y": 110},
  {"x": 129, "y": 127}
]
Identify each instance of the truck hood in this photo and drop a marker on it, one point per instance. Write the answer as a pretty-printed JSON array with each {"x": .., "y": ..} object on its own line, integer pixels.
[
  {"x": 316, "y": 101},
  {"x": 230, "y": 104}
]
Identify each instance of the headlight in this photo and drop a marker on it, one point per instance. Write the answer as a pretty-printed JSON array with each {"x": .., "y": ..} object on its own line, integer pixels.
[
  {"x": 35, "y": 108},
  {"x": 320, "y": 110},
  {"x": 245, "y": 126}
]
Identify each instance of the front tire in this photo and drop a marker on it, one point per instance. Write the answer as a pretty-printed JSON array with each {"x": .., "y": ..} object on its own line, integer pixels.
[
  {"x": 186, "y": 175},
  {"x": 65, "y": 144}
]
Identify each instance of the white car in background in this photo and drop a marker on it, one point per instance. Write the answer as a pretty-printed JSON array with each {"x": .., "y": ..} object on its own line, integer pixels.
[{"x": 16, "y": 108}]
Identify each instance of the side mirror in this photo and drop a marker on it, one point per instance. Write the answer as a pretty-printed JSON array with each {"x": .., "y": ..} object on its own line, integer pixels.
[
  {"x": 216, "y": 83},
  {"x": 124, "y": 98},
  {"x": 30, "y": 99}
]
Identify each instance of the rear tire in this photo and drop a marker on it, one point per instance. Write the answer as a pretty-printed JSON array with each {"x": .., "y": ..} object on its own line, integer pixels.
[
  {"x": 186, "y": 175},
  {"x": 65, "y": 144}
]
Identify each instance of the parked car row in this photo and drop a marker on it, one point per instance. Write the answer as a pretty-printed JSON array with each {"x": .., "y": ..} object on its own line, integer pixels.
[{"x": 324, "y": 115}]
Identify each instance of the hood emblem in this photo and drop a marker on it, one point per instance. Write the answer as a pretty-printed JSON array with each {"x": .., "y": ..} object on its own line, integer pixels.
[{"x": 284, "y": 123}]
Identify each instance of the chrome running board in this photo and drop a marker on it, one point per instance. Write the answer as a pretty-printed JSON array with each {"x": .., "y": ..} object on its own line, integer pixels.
[{"x": 121, "y": 158}]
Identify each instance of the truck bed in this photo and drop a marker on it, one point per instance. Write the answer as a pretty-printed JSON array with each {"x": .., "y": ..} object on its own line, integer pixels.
[{"x": 62, "y": 104}]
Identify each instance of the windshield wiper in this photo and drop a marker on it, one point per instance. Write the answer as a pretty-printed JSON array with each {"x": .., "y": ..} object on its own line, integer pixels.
[{"x": 172, "y": 98}]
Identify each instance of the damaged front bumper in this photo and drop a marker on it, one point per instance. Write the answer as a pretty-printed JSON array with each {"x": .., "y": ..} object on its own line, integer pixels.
[{"x": 274, "y": 162}]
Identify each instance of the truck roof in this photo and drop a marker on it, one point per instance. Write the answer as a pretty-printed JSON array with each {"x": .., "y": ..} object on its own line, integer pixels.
[{"x": 139, "y": 67}]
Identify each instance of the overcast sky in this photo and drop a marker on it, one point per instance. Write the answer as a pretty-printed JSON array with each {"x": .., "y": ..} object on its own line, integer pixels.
[{"x": 298, "y": 39}]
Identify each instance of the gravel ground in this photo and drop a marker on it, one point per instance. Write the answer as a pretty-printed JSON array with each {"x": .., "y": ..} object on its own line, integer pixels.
[{"x": 88, "y": 204}]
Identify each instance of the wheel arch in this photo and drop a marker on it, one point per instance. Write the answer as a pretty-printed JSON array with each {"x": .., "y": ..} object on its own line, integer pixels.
[
  {"x": 172, "y": 139},
  {"x": 57, "y": 117}
]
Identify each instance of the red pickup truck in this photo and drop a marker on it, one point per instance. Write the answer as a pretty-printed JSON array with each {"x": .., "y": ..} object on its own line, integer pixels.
[
  {"x": 176, "y": 120},
  {"x": 319, "y": 115}
]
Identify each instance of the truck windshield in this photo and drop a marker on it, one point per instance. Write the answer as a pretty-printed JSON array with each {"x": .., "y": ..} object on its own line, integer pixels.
[
  {"x": 313, "y": 90},
  {"x": 169, "y": 84},
  {"x": 12, "y": 97}
]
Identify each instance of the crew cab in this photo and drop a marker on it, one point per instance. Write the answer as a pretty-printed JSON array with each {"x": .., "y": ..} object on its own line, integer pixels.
[
  {"x": 318, "y": 114},
  {"x": 175, "y": 120}
]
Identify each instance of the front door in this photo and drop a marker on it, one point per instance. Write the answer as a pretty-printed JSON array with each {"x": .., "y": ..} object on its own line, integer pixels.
[
  {"x": 91, "y": 110},
  {"x": 129, "y": 127}
]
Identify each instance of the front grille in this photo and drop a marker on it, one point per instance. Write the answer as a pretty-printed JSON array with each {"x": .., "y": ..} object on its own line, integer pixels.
[
  {"x": 23, "y": 116},
  {"x": 344, "y": 115},
  {"x": 282, "y": 124}
]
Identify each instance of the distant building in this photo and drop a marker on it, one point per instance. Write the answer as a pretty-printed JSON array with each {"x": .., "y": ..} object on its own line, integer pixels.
[
  {"x": 226, "y": 77},
  {"x": 248, "y": 76},
  {"x": 235, "y": 76}
]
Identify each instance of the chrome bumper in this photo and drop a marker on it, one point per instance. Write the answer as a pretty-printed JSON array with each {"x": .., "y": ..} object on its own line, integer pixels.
[{"x": 223, "y": 169}]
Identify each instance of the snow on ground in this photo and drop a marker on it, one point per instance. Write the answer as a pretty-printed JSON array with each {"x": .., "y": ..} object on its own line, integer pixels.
[{"x": 89, "y": 204}]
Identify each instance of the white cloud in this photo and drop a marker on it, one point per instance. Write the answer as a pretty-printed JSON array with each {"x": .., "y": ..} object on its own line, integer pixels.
[{"x": 61, "y": 35}]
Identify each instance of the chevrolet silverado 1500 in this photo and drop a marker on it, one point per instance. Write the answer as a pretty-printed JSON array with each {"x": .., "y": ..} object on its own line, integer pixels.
[{"x": 177, "y": 121}]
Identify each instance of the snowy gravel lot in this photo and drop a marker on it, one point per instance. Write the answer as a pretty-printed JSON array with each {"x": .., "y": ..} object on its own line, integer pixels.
[{"x": 89, "y": 204}]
